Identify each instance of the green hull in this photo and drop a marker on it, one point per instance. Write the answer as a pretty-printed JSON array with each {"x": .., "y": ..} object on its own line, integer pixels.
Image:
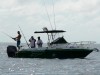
[
  {"x": 58, "y": 53},
  {"x": 48, "y": 53}
]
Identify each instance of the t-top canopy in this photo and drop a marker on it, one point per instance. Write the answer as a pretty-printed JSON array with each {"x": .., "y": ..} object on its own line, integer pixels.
[{"x": 50, "y": 31}]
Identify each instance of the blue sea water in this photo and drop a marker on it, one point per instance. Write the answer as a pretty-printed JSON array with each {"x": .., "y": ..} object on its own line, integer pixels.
[{"x": 37, "y": 66}]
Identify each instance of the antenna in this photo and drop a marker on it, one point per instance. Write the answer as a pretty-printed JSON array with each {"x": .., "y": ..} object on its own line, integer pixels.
[
  {"x": 48, "y": 14},
  {"x": 54, "y": 14}
]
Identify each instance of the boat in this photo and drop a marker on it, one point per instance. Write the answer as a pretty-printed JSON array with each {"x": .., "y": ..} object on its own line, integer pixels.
[{"x": 57, "y": 47}]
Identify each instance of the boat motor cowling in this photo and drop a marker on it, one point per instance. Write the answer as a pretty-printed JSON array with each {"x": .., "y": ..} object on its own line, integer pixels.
[{"x": 11, "y": 51}]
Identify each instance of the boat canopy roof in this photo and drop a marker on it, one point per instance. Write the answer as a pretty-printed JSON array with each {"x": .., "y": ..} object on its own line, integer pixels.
[
  {"x": 50, "y": 31},
  {"x": 59, "y": 40}
]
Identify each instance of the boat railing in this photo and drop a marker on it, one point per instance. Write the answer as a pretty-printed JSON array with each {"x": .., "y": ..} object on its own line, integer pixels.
[{"x": 81, "y": 44}]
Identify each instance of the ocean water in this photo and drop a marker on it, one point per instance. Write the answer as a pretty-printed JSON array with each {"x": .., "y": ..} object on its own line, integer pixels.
[{"x": 37, "y": 66}]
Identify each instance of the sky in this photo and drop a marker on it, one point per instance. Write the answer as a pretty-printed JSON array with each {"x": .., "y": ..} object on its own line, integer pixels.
[{"x": 79, "y": 18}]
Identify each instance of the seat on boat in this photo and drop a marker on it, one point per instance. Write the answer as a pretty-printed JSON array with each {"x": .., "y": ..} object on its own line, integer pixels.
[{"x": 59, "y": 40}]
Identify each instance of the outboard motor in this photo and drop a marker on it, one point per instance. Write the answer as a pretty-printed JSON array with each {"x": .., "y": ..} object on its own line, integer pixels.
[{"x": 11, "y": 51}]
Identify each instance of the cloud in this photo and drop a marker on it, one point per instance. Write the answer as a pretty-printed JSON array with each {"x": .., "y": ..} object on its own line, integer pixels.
[
  {"x": 4, "y": 4},
  {"x": 17, "y": 7},
  {"x": 77, "y": 5},
  {"x": 71, "y": 15}
]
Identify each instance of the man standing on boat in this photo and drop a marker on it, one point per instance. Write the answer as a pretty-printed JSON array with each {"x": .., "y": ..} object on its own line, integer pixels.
[
  {"x": 32, "y": 42},
  {"x": 18, "y": 39},
  {"x": 39, "y": 42}
]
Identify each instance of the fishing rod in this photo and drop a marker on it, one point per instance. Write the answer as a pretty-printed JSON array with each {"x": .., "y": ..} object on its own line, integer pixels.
[
  {"x": 23, "y": 36},
  {"x": 9, "y": 36}
]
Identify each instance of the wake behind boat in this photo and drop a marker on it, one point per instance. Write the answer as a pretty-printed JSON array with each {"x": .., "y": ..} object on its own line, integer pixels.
[{"x": 56, "y": 48}]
